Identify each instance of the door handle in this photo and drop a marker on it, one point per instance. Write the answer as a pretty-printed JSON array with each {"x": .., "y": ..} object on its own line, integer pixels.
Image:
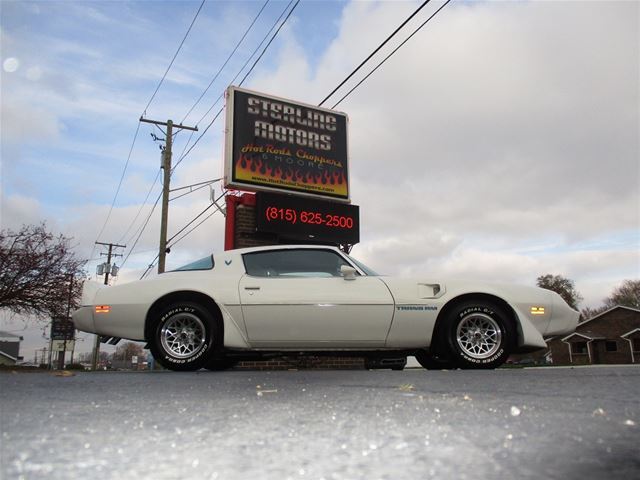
[{"x": 252, "y": 288}]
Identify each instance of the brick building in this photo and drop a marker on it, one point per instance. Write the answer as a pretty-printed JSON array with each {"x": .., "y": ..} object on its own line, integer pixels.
[{"x": 613, "y": 337}]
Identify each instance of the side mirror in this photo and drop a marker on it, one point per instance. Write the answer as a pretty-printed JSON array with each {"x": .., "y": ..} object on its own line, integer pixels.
[{"x": 348, "y": 273}]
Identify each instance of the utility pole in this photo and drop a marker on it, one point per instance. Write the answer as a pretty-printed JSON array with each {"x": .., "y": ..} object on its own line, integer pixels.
[
  {"x": 61, "y": 358},
  {"x": 166, "y": 166},
  {"x": 166, "y": 177},
  {"x": 109, "y": 255},
  {"x": 107, "y": 271}
]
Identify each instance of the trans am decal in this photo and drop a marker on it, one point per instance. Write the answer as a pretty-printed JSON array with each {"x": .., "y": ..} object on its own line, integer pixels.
[{"x": 417, "y": 308}]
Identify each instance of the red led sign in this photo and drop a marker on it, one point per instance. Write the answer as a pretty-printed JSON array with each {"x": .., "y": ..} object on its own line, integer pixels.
[{"x": 307, "y": 219}]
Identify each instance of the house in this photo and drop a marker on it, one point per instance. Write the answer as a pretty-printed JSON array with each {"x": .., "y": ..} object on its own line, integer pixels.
[
  {"x": 9, "y": 348},
  {"x": 612, "y": 337}
]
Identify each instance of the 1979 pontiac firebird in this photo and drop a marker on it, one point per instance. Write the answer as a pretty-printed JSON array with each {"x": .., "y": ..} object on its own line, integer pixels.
[{"x": 290, "y": 300}]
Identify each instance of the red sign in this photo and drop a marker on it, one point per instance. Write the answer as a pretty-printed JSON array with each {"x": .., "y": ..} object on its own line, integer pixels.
[{"x": 308, "y": 219}]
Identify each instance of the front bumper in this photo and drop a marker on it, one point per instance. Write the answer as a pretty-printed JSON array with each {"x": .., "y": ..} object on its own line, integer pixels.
[{"x": 564, "y": 319}]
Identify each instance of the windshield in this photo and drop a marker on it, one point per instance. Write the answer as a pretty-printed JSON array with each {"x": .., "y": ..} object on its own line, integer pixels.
[
  {"x": 363, "y": 267},
  {"x": 205, "y": 263}
]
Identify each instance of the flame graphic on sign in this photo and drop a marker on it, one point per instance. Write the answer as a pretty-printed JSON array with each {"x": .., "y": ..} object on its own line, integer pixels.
[{"x": 257, "y": 170}]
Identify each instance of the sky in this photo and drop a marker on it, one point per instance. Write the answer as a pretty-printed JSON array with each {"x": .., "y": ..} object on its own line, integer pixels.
[{"x": 500, "y": 143}]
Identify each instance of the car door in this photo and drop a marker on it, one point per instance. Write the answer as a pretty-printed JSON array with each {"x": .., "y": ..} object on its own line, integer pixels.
[{"x": 298, "y": 298}]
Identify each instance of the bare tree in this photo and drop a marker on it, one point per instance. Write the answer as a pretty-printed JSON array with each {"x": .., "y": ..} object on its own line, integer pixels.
[
  {"x": 39, "y": 273},
  {"x": 627, "y": 295},
  {"x": 588, "y": 312},
  {"x": 562, "y": 286},
  {"x": 85, "y": 357},
  {"x": 128, "y": 350}
]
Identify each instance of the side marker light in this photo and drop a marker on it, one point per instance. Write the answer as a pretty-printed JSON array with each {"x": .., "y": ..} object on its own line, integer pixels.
[
  {"x": 103, "y": 308},
  {"x": 537, "y": 310}
]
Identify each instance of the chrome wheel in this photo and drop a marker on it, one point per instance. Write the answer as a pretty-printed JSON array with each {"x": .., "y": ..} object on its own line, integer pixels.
[
  {"x": 479, "y": 336},
  {"x": 183, "y": 335}
]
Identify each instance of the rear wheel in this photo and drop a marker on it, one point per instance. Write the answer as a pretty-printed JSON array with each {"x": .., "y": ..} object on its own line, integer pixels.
[
  {"x": 184, "y": 337},
  {"x": 479, "y": 335}
]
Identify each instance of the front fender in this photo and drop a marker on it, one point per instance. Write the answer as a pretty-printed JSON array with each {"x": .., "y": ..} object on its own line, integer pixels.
[{"x": 528, "y": 334}]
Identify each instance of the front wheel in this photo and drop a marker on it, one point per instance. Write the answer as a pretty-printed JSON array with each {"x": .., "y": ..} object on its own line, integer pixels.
[
  {"x": 184, "y": 337},
  {"x": 480, "y": 335}
]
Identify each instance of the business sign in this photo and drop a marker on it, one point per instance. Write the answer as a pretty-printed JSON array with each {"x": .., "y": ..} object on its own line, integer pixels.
[
  {"x": 62, "y": 345},
  {"x": 62, "y": 329},
  {"x": 274, "y": 144},
  {"x": 307, "y": 219}
]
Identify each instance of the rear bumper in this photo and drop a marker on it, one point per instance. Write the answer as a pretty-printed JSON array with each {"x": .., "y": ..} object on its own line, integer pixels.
[{"x": 83, "y": 319}]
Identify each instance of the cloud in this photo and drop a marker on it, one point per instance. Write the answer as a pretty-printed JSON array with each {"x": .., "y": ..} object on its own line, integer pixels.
[
  {"x": 18, "y": 210},
  {"x": 22, "y": 122}
]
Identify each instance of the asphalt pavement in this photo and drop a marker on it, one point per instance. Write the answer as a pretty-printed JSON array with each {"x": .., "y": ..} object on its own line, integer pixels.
[{"x": 556, "y": 423}]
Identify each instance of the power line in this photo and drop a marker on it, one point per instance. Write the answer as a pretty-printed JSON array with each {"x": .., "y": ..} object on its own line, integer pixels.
[
  {"x": 272, "y": 39},
  {"x": 200, "y": 223},
  {"x": 187, "y": 142},
  {"x": 214, "y": 119},
  {"x": 141, "y": 206},
  {"x": 375, "y": 51},
  {"x": 238, "y": 74},
  {"x": 190, "y": 222},
  {"x": 124, "y": 171},
  {"x": 141, "y": 230},
  {"x": 231, "y": 82},
  {"x": 342, "y": 83},
  {"x": 138, "y": 127},
  {"x": 144, "y": 224},
  {"x": 192, "y": 188},
  {"x": 197, "y": 140},
  {"x": 392, "y": 52},
  {"x": 204, "y": 184},
  {"x": 189, "y": 192},
  {"x": 151, "y": 265},
  {"x": 328, "y": 96},
  {"x": 174, "y": 58},
  {"x": 225, "y": 62},
  {"x": 215, "y": 203}
]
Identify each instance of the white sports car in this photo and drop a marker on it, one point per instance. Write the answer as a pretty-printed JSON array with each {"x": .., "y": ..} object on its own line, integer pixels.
[{"x": 298, "y": 299}]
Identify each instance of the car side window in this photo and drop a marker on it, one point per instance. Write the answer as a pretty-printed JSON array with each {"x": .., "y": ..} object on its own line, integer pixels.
[
  {"x": 205, "y": 263},
  {"x": 294, "y": 263}
]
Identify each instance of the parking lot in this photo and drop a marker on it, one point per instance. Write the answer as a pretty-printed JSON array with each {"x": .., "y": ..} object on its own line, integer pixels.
[{"x": 509, "y": 423}]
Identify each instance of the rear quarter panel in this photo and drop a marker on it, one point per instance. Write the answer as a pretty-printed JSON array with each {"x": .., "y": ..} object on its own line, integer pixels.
[{"x": 131, "y": 302}]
